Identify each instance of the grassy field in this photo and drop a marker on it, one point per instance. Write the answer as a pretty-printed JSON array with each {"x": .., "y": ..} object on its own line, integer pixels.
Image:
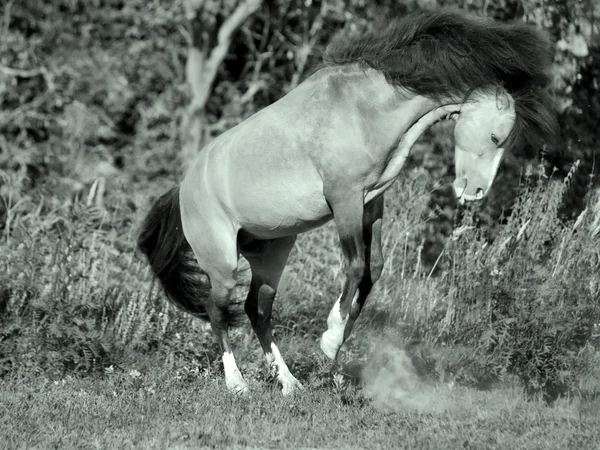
[
  {"x": 159, "y": 407},
  {"x": 498, "y": 349},
  {"x": 92, "y": 357}
]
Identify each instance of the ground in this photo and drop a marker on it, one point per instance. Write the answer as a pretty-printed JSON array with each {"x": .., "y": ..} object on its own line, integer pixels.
[{"x": 158, "y": 407}]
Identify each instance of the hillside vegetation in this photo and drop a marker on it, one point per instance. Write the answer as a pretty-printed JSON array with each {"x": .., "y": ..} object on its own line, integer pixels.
[{"x": 502, "y": 296}]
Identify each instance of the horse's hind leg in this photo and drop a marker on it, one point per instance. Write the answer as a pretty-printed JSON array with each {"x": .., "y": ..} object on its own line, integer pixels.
[
  {"x": 215, "y": 247},
  {"x": 217, "y": 308},
  {"x": 359, "y": 229},
  {"x": 267, "y": 266}
]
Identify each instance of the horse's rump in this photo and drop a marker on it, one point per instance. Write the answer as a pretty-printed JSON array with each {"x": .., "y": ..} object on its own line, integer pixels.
[{"x": 172, "y": 260}]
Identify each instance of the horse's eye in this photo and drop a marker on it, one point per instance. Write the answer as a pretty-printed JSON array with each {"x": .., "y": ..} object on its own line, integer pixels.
[{"x": 495, "y": 139}]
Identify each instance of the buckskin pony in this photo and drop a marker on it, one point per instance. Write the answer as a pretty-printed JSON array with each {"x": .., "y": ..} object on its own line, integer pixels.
[{"x": 329, "y": 149}]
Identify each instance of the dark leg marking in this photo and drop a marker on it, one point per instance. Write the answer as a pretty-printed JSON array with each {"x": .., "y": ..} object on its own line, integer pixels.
[
  {"x": 359, "y": 228},
  {"x": 267, "y": 266}
]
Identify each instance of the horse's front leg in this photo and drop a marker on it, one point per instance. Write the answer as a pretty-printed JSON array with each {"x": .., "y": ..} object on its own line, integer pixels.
[{"x": 359, "y": 229}]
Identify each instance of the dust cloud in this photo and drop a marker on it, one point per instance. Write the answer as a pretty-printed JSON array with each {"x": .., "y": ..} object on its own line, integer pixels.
[{"x": 391, "y": 381}]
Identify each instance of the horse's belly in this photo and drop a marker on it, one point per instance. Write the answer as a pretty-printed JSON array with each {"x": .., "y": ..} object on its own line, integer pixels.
[
  {"x": 282, "y": 213},
  {"x": 286, "y": 229}
]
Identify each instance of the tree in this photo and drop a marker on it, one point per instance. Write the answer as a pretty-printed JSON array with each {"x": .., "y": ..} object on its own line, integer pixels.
[{"x": 212, "y": 24}]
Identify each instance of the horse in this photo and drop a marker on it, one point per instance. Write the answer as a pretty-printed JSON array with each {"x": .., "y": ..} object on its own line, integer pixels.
[{"x": 328, "y": 150}]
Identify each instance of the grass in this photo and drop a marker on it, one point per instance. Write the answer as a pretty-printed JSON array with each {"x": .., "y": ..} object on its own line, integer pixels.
[
  {"x": 93, "y": 357},
  {"x": 162, "y": 407}
]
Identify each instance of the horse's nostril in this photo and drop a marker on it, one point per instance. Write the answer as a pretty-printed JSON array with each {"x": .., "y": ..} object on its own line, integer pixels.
[{"x": 479, "y": 194}]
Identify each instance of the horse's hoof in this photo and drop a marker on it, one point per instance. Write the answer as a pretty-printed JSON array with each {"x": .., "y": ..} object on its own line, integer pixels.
[
  {"x": 291, "y": 386},
  {"x": 237, "y": 385},
  {"x": 241, "y": 390},
  {"x": 330, "y": 345}
]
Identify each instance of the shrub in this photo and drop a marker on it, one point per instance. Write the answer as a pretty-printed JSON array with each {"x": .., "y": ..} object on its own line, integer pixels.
[{"x": 528, "y": 301}]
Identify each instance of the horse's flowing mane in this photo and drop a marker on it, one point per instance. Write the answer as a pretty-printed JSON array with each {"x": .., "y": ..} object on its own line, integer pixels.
[{"x": 449, "y": 54}]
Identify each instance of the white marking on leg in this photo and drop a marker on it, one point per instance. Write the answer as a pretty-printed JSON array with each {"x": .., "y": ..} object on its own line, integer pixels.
[
  {"x": 273, "y": 370},
  {"x": 288, "y": 382},
  {"x": 233, "y": 377},
  {"x": 333, "y": 338}
]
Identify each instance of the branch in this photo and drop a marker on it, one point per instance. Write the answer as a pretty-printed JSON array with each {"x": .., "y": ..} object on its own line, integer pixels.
[
  {"x": 10, "y": 115},
  {"x": 201, "y": 71},
  {"x": 229, "y": 27},
  {"x": 6, "y": 24},
  {"x": 254, "y": 88},
  {"x": 193, "y": 8},
  {"x": 202, "y": 65},
  {"x": 22, "y": 73},
  {"x": 307, "y": 47}
]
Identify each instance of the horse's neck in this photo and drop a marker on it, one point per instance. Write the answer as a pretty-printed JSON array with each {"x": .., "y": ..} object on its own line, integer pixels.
[
  {"x": 418, "y": 128},
  {"x": 401, "y": 116}
]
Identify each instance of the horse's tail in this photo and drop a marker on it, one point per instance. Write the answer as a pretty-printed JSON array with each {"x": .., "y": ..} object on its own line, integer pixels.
[{"x": 172, "y": 260}]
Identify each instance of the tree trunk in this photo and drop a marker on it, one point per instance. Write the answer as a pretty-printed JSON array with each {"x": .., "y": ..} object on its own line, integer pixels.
[{"x": 203, "y": 64}]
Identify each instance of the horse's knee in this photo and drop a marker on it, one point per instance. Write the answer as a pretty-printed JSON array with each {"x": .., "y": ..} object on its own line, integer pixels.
[
  {"x": 259, "y": 302},
  {"x": 356, "y": 268},
  {"x": 266, "y": 296}
]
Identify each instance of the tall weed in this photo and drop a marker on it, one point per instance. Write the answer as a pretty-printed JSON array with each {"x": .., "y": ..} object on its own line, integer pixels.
[{"x": 528, "y": 302}]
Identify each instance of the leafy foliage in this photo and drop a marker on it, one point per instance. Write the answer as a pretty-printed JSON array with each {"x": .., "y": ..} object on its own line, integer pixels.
[
  {"x": 529, "y": 301},
  {"x": 91, "y": 95}
]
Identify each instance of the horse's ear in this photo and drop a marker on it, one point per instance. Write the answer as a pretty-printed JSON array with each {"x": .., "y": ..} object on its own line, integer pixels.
[{"x": 502, "y": 99}]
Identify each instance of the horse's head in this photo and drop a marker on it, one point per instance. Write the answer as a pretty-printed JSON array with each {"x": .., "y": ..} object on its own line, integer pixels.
[{"x": 482, "y": 127}]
